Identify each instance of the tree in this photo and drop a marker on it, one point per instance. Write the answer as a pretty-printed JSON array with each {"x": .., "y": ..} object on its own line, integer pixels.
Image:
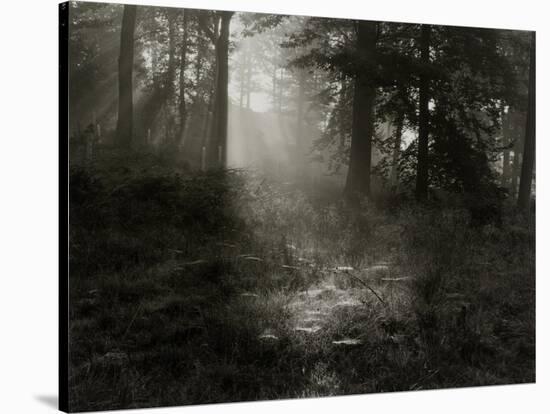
[
  {"x": 245, "y": 62},
  {"x": 358, "y": 178},
  {"x": 217, "y": 147},
  {"x": 524, "y": 194},
  {"x": 423, "y": 121},
  {"x": 397, "y": 133},
  {"x": 183, "y": 64},
  {"x": 125, "y": 73},
  {"x": 505, "y": 119}
]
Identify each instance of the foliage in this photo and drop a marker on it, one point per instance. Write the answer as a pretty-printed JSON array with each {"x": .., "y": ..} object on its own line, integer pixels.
[{"x": 167, "y": 309}]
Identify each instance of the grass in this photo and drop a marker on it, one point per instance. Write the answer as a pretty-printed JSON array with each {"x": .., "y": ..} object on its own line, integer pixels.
[{"x": 188, "y": 288}]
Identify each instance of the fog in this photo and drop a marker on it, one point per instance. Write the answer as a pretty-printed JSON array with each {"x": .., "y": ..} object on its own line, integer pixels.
[{"x": 268, "y": 206}]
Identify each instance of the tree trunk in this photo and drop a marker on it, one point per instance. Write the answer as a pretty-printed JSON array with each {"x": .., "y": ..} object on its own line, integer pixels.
[
  {"x": 169, "y": 79},
  {"x": 217, "y": 152},
  {"x": 396, "y": 150},
  {"x": 300, "y": 108},
  {"x": 280, "y": 97},
  {"x": 198, "y": 67},
  {"x": 170, "y": 74},
  {"x": 342, "y": 111},
  {"x": 125, "y": 72},
  {"x": 248, "y": 79},
  {"x": 274, "y": 87},
  {"x": 358, "y": 178},
  {"x": 524, "y": 194},
  {"x": 183, "y": 64},
  {"x": 516, "y": 168},
  {"x": 423, "y": 121},
  {"x": 506, "y": 153}
]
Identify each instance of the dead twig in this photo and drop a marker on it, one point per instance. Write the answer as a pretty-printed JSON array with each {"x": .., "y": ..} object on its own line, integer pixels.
[
  {"x": 132, "y": 321},
  {"x": 358, "y": 279}
]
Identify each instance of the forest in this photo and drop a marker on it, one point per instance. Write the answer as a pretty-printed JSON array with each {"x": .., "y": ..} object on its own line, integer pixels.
[{"x": 270, "y": 206}]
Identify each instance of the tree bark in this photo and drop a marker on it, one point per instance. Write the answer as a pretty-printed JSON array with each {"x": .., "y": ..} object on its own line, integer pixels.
[
  {"x": 396, "y": 150},
  {"x": 170, "y": 74},
  {"x": 125, "y": 73},
  {"x": 183, "y": 64},
  {"x": 524, "y": 194},
  {"x": 516, "y": 168},
  {"x": 358, "y": 177},
  {"x": 217, "y": 151},
  {"x": 423, "y": 121},
  {"x": 170, "y": 136},
  {"x": 506, "y": 153}
]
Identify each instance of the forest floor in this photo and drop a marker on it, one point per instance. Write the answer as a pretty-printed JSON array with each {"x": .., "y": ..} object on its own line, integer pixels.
[{"x": 189, "y": 288}]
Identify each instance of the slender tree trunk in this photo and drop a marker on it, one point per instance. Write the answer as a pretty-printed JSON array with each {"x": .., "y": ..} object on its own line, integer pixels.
[
  {"x": 198, "y": 67},
  {"x": 280, "y": 98},
  {"x": 516, "y": 168},
  {"x": 505, "y": 168},
  {"x": 506, "y": 153},
  {"x": 274, "y": 87},
  {"x": 218, "y": 151},
  {"x": 396, "y": 150},
  {"x": 241, "y": 89},
  {"x": 342, "y": 112},
  {"x": 300, "y": 108},
  {"x": 170, "y": 74},
  {"x": 125, "y": 73},
  {"x": 524, "y": 194},
  {"x": 242, "y": 74},
  {"x": 170, "y": 77},
  {"x": 209, "y": 109},
  {"x": 248, "y": 79},
  {"x": 423, "y": 122},
  {"x": 183, "y": 64},
  {"x": 358, "y": 178}
]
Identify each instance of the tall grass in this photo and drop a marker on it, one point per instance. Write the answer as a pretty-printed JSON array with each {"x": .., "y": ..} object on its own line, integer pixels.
[{"x": 184, "y": 289}]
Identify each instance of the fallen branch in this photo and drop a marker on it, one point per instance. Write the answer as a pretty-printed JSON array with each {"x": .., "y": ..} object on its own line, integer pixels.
[
  {"x": 358, "y": 279},
  {"x": 394, "y": 279}
]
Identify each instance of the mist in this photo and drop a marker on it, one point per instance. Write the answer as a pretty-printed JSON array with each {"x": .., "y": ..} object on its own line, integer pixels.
[{"x": 265, "y": 206}]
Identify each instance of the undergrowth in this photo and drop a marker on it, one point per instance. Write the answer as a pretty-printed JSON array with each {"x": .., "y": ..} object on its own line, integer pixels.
[{"x": 176, "y": 275}]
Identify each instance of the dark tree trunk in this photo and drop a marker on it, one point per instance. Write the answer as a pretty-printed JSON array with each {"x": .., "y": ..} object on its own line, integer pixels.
[
  {"x": 208, "y": 111},
  {"x": 170, "y": 74},
  {"x": 125, "y": 73},
  {"x": 506, "y": 153},
  {"x": 396, "y": 150},
  {"x": 516, "y": 168},
  {"x": 423, "y": 121},
  {"x": 183, "y": 64},
  {"x": 524, "y": 194},
  {"x": 198, "y": 67},
  {"x": 217, "y": 152},
  {"x": 358, "y": 177},
  {"x": 169, "y": 80}
]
